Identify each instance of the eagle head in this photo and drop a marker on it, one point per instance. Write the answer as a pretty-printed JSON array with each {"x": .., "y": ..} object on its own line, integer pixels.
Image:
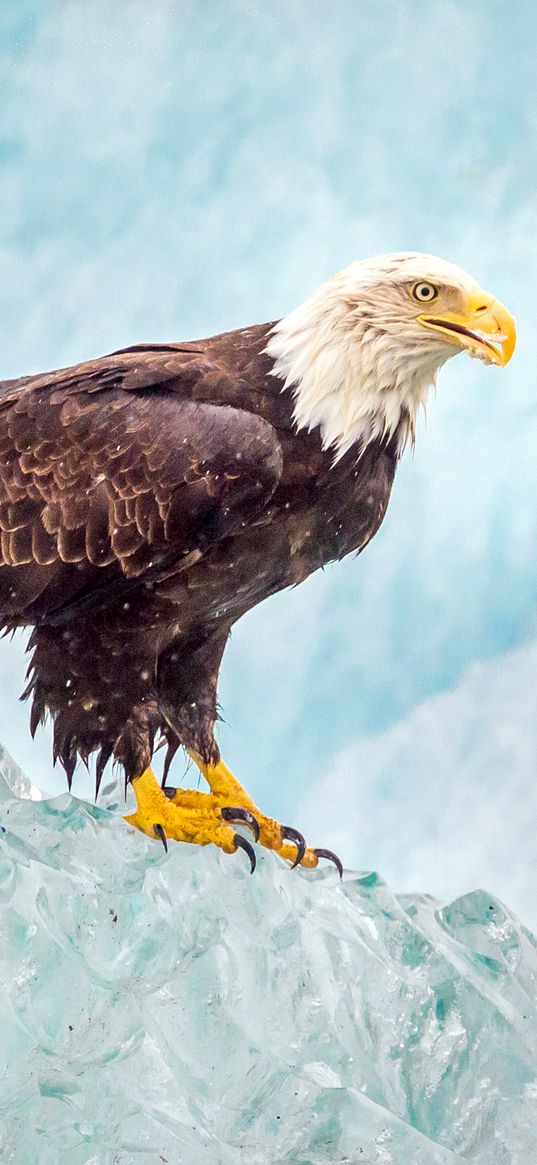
[{"x": 361, "y": 354}]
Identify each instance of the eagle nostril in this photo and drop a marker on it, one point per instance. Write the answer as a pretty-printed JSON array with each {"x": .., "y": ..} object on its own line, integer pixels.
[{"x": 482, "y": 307}]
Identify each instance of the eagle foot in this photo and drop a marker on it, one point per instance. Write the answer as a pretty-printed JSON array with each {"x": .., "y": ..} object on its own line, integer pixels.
[{"x": 208, "y": 818}]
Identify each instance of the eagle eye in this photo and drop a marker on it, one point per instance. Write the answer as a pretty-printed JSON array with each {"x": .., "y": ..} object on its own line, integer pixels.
[{"x": 424, "y": 292}]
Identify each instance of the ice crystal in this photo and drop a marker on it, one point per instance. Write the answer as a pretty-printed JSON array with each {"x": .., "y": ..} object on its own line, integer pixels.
[{"x": 172, "y": 1008}]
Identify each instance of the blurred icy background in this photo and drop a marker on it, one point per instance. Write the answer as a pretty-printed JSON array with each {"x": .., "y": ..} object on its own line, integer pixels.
[{"x": 171, "y": 169}]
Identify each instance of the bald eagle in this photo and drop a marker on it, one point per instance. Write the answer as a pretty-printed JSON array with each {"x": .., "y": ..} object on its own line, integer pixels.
[{"x": 150, "y": 498}]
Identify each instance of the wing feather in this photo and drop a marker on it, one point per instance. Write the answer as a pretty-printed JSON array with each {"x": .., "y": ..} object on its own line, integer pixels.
[{"x": 112, "y": 465}]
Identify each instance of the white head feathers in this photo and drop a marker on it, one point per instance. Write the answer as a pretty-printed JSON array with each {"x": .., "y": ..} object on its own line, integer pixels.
[{"x": 355, "y": 355}]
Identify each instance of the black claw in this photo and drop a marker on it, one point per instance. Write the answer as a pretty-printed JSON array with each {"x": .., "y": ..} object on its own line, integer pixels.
[
  {"x": 158, "y": 829},
  {"x": 169, "y": 791},
  {"x": 290, "y": 834},
  {"x": 331, "y": 857},
  {"x": 237, "y": 813},
  {"x": 242, "y": 843}
]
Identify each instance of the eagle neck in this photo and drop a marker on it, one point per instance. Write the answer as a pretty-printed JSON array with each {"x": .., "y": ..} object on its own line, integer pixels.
[{"x": 357, "y": 386}]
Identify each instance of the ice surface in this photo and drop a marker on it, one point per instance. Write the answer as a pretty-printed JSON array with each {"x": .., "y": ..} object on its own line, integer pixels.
[
  {"x": 15, "y": 778},
  {"x": 175, "y": 1009}
]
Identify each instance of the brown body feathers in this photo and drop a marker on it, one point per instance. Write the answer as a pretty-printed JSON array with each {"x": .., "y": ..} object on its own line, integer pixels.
[{"x": 147, "y": 500}]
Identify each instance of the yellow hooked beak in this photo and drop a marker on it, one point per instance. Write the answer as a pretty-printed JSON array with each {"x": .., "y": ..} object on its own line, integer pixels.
[{"x": 484, "y": 328}]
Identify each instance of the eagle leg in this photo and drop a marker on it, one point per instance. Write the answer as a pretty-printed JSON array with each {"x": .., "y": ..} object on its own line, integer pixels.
[{"x": 208, "y": 818}]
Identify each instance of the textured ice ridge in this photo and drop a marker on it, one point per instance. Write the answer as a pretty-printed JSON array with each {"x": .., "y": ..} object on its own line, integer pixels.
[{"x": 175, "y": 1009}]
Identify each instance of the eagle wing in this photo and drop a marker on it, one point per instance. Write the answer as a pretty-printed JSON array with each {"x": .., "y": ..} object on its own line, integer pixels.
[{"x": 112, "y": 471}]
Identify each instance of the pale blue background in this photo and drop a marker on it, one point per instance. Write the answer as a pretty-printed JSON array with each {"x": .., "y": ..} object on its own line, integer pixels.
[{"x": 168, "y": 170}]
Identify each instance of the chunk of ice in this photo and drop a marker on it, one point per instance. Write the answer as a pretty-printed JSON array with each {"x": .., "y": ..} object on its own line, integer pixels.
[
  {"x": 15, "y": 779},
  {"x": 175, "y": 1009}
]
